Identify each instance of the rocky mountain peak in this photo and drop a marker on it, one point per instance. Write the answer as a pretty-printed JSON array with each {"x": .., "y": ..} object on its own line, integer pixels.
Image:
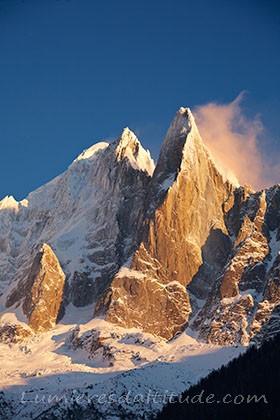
[
  {"x": 146, "y": 246},
  {"x": 155, "y": 251},
  {"x": 183, "y": 212},
  {"x": 182, "y": 124},
  {"x": 171, "y": 153},
  {"x": 45, "y": 249},
  {"x": 127, "y": 141},
  {"x": 128, "y": 146},
  {"x": 128, "y": 138},
  {"x": 44, "y": 290},
  {"x": 8, "y": 202},
  {"x": 40, "y": 290},
  {"x": 184, "y": 150}
]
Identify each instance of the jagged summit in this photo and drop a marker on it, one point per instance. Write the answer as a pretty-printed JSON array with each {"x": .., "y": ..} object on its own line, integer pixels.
[
  {"x": 128, "y": 137},
  {"x": 181, "y": 248},
  {"x": 128, "y": 146},
  {"x": 126, "y": 143},
  {"x": 86, "y": 212},
  {"x": 181, "y": 125},
  {"x": 183, "y": 148},
  {"x": 10, "y": 203},
  {"x": 171, "y": 153},
  {"x": 110, "y": 209},
  {"x": 184, "y": 204}
]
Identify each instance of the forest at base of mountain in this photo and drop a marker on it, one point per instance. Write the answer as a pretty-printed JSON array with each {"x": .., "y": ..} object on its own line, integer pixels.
[{"x": 255, "y": 373}]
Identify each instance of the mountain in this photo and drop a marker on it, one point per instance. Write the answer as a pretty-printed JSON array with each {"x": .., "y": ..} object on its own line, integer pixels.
[
  {"x": 87, "y": 216},
  {"x": 208, "y": 252},
  {"x": 183, "y": 207},
  {"x": 117, "y": 247}
]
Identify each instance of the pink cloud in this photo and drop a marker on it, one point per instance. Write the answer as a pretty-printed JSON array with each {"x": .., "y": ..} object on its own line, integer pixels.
[{"x": 234, "y": 140}]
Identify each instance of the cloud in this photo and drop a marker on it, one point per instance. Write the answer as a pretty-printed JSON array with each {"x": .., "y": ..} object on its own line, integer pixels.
[{"x": 237, "y": 142}]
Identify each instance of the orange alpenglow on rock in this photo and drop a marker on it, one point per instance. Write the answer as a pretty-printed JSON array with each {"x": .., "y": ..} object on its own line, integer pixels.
[
  {"x": 42, "y": 290},
  {"x": 185, "y": 205},
  {"x": 157, "y": 248}
]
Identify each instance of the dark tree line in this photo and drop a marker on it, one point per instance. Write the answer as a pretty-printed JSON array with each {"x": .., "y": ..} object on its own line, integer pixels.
[{"x": 257, "y": 372}]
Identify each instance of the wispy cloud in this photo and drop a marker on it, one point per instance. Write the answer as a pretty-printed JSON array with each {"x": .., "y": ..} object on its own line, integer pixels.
[{"x": 237, "y": 141}]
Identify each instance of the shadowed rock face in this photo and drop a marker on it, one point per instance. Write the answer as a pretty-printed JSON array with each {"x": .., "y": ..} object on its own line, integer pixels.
[
  {"x": 42, "y": 290},
  {"x": 110, "y": 246},
  {"x": 208, "y": 240},
  {"x": 251, "y": 247},
  {"x": 12, "y": 334},
  {"x": 184, "y": 203},
  {"x": 155, "y": 249},
  {"x": 266, "y": 321},
  {"x": 243, "y": 303},
  {"x": 88, "y": 215}
]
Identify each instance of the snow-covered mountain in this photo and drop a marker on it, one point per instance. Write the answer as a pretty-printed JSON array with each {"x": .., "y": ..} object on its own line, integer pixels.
[
  {"x": 102, "y": 265},
  {"x": 88, "y": 216}
]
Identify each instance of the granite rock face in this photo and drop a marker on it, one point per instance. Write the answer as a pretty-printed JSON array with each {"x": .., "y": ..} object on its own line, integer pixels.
[
  {"x": 209, "y": 239},
  {"x": 41, "y": 291},
  {"x": 243, "y": 303},
  {"x": 184, "y": 205},
  {"x": 155, "y": 248},
  {"x": 137, "y": 300}
]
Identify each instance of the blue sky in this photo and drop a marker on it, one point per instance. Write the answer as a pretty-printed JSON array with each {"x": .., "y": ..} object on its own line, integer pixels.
[{"x": 76, "y": 72}]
